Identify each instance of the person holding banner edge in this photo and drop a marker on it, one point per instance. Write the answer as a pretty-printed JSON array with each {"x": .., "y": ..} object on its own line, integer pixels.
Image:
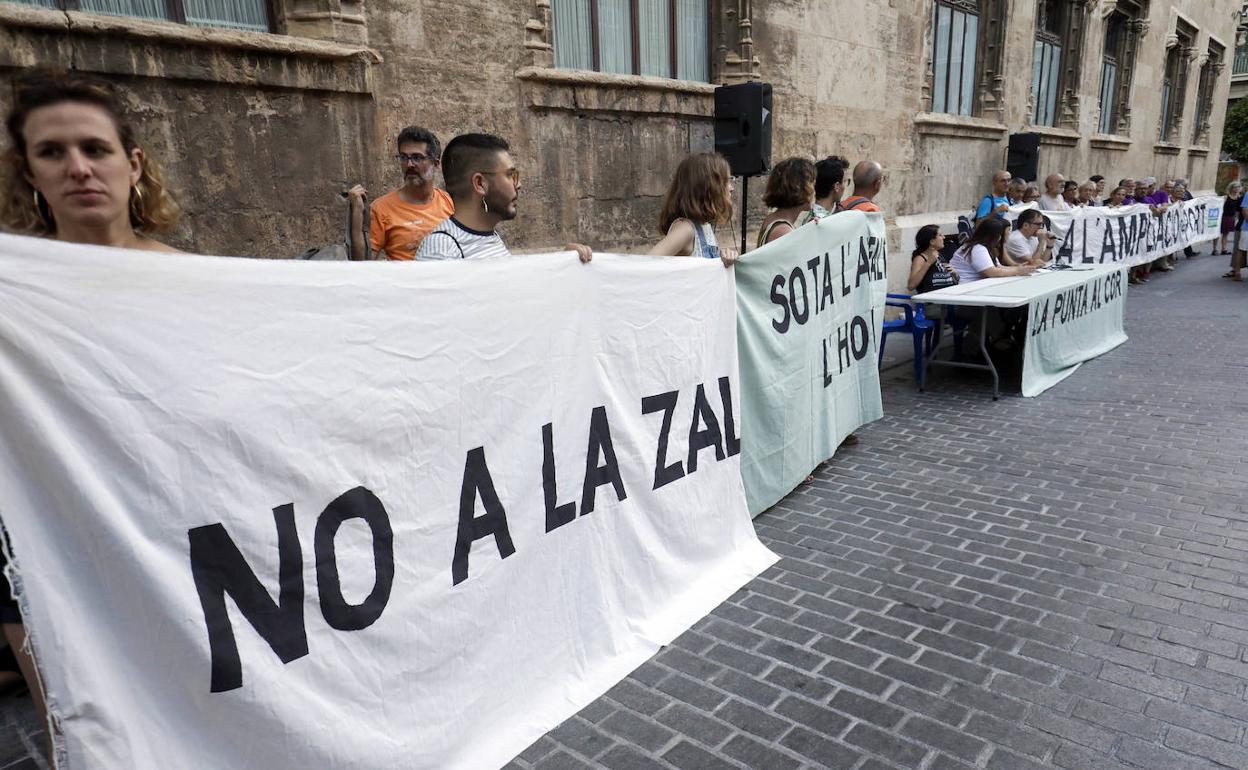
[
  {"x": 484, "y": 184},
  {"x": 75, "y": 173},
  {"x": 790, "y": 194},
  {"x": 698, "y": 199}
]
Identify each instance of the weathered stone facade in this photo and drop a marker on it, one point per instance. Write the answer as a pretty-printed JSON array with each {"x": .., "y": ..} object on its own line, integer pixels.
[{"x": 259, "y": 132}]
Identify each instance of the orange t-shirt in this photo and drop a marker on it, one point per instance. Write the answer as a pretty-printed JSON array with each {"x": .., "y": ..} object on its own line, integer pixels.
[{"x": 396, "y": 228}]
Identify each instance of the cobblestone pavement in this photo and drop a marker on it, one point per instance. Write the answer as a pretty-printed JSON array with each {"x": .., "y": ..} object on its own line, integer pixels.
[
  {"x": 1032, "y": 583},
  {"x": 1058, "y": 582}
]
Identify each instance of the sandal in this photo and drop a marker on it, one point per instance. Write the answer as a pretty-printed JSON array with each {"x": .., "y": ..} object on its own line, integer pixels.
[{"x": 1229, "y": 274}]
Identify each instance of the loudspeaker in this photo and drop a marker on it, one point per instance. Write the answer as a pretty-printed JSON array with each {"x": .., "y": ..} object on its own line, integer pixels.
[
  {"x": 743, "y": 127},
  {"x": 1023, "y": 158}
]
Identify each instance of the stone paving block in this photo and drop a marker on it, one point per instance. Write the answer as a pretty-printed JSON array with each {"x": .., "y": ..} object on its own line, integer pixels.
[
  {"x": 754, "y": 754},
  {"x": 695, "y": 724},
  {"x": 817, "y": 748}
]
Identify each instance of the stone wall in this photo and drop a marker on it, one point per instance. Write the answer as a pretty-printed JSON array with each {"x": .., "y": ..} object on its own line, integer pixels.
[{"x": 260, "y": 133}]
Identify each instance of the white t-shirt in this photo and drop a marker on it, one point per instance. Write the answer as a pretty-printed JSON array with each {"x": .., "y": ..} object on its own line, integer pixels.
[
  {"x": 451, "y": 240},
  {"x": 971, "y": 267},
  {"x": 1019, "y": 247},
  {"x": 1057, "y": 203}
]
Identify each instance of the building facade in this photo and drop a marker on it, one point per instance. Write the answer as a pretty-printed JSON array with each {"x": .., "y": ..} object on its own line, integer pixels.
[{"x": 263, "y": 111}]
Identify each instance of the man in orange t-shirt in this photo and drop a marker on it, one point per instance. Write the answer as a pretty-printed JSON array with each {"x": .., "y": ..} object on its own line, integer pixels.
[
  {"x": 868, "y": 181},
  {"x": 402, "y": 218}
]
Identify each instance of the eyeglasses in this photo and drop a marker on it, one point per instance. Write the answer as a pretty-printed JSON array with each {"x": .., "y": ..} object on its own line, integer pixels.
[
  {"x": 414, "y": 158},
  {"x": 514, "y": 173}
]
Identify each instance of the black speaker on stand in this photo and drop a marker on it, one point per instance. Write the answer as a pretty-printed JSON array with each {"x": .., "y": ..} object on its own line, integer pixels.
[
  {"x": 743, "y": 115},
  {"x": 1022, "y": 159}
]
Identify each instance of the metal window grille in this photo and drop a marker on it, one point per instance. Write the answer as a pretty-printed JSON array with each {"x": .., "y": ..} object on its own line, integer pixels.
[
  {"x": 955, "y": 45},
  {"x": 236, "y": 14},
  {"x": 663, "y": 38},
  {"x": 1240, "y": 67}
]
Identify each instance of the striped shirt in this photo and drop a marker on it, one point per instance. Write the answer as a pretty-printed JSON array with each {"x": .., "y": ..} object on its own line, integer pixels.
[{"x": 451, "y": 240}]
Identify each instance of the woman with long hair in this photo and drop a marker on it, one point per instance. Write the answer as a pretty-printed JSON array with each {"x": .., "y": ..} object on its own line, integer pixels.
[
  {"x": 925, "y": 264},
  {"x": 980, "y": 256},
  {"x": 74, "y": 169},
  {"x": 789, "y": 194},
  {"x": 74, "y": 172},
  {"x": 698, "y": 199}
]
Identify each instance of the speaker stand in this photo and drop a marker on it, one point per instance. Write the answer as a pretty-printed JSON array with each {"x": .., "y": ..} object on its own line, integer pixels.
[{"x": 745, "y": 205}]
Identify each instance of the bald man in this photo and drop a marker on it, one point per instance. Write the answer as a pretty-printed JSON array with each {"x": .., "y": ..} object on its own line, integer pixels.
[
  {"x": 868, "y": 181},
  {"x": 997, "y": 201},
  {"x": 1052, "y": 199}
]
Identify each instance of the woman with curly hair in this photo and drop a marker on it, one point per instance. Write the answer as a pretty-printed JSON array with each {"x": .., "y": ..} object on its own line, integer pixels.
[
  {"x": 75, "y": 171},
  {"x": 790, "y": 193},
  {"x": 698, "y": 199}
]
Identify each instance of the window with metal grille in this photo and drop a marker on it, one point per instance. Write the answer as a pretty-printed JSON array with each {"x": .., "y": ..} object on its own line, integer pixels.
[
  {"x": 955, "y": 46},
  {"x": 663, "y": 38},
  {"x": 236, "y": 14},
  {"x": 1046, "y": 68}
]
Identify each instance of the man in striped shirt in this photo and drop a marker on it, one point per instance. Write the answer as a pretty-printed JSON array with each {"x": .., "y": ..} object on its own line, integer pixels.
[{"x": 484, "y": 182}]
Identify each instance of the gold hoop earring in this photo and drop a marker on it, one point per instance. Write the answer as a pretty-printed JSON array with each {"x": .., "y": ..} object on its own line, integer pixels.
[
  {"x": 136, "y": 194},
  {"x": 42, "y": 209},
  {"x": 486, "y": 205}
]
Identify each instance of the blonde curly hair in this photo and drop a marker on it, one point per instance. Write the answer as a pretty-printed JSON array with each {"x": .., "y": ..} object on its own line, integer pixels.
[{"x": 153, "y": 208}]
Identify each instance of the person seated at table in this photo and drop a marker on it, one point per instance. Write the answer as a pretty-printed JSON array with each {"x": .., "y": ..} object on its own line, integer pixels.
[
  {"x": 980, "y": 256},
  {"x": 1029, "y": 243},
  {"x": 926, "y": 268}
]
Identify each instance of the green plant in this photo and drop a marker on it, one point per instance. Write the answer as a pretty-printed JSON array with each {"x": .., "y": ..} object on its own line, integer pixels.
[{"x": 1235, "y": 131}]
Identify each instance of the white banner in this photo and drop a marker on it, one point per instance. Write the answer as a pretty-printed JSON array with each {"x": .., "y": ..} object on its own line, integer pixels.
[
  {"x": 1131, "y": 235},
  {"x": 322, "y": 514},
  {"x": 1073, "y": 324}
]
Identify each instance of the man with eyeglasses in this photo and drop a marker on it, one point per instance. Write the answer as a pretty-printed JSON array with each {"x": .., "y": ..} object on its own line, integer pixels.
[
  {"x": 484, "y": 183},
  {"x": 402, "y": 218},
  {"x": 1029, "y": 243}
]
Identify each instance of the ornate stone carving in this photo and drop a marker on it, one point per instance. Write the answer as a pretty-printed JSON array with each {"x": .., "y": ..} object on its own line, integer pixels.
[
  {"x": 739, "y": 64},
  {"x": 342, "y": 21},
  {"x": 538, "y": 38}
]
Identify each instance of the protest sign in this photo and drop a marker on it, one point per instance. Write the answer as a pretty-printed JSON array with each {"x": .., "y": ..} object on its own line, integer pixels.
[
  {"x": 809, "y": 313},
  {"x": 1131, "y": 235},
  {"x": 274, "y": 514},
  {"x": 1073, "y": 324}
]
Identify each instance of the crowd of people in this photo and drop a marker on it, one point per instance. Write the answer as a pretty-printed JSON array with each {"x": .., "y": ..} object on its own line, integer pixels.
[
  {"x": 76, "y": 172},
  {"x": 993, "y": 251}
]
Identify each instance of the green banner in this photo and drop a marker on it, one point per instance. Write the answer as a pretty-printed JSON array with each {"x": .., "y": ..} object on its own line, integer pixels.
[
  {"x": 1073, "y": 324},
  {"x": 809, "y": 311}
]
